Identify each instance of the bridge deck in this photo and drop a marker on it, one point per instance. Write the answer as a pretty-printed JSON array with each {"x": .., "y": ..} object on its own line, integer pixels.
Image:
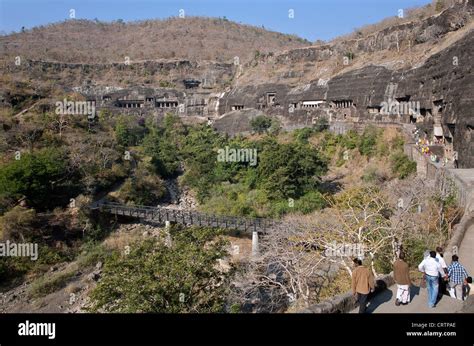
[{"x": 188, "y": 218}]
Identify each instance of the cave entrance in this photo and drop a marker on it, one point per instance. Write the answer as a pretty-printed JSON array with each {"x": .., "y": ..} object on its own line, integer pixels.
[{"x": 271, "y": 97}]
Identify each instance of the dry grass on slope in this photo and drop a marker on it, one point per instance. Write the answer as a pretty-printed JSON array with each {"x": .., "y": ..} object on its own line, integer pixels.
[{"x": 194, "y": 38}]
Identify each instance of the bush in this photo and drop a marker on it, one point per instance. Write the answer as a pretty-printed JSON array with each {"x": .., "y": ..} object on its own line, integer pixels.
[
  {"x": 129, "y": 132},
  {"x": 350, "y": 140},
  {"x": 397, "y": 143},
  {"x": 143, "y": 188},
  {"x": 321, "y": 124},
  {"x": 17, "y": 224},
  {"x": 401, "y": 165},
  {"x": 15, "y": 267},
  {"x": 280, "y": 208},
  {"x": 372, "y": 175},
  {"x": 49, "y": 284},
  {"x": 260, "y": 124},
  {"x": 349, "y": 55},
  {"x": 236, "y": 200},
  {"x": 329, "y": 145},
  {"x": 439, "y": 5},
  {"x": 40, "y": 177},
  {"x": 91, "y": 253},
  {"x": 302, "y": 135},
  {"x": 414, "y": 249},
  {"x": 311, "y": 201},
  {"x": 368, "y": 141},
  {"x": 289, "y": 170}
]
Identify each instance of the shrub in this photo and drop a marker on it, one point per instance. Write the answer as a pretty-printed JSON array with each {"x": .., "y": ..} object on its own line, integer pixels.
[
  {"x": 12, "y": 268},
  {"x": 439, "y": 5},
  {"x": 143, "y": 188},
  {"x": 321, "y": 124},
  {"x": 260, "y": 124},
  {"x": 372, "y": 175},
  {"x": 350, "y": 140},
  {"x": 280, "y": 208},
  {"x": 17, "y": 224},
  {"x": 91, "y": 253},
  {"x": 397, "y": 143},
  {"x": 129, "y": 132},
  {"x": 49, "y": 284},
  {"x": 401, "y": 165},
  {"x": 40, "y": 177},
  {"x": 311, "y": 201},
  {"x": 368, "y": 141},
  {"x": 302, "y": 135}
]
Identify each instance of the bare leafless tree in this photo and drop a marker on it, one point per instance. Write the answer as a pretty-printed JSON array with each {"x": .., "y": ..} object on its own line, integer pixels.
[{"x": 288, "y": 269}]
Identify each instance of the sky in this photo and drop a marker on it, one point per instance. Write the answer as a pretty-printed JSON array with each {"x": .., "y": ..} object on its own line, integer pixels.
[{"x": 312, "y": 19}]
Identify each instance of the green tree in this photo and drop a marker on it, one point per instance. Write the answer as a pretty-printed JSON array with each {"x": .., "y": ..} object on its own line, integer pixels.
[
  {"x": 165, "y": 144},
  {"x": 401, "y": 165},
  {"x": 180, "y": 277},
  {"x": 143, "y": 188},
  {"x": 128, "y": 132},
  {"x": 260, "y": 123},
  {"x": 368, "y": 141},
  {"x": 42, "y": 177},
  {"x": 311, "y": 201},
  {"x": 289, "y": 170},
  {"x": 200, "y": 156}
]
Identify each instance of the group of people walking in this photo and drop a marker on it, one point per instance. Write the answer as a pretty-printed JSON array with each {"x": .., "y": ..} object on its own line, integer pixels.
[{"x": 437, "y": 277}]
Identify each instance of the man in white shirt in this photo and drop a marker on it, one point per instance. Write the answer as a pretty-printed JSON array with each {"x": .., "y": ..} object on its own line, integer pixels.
[
  {"x": 442, "y": 282},
  {"x": 431, "y": 269}
]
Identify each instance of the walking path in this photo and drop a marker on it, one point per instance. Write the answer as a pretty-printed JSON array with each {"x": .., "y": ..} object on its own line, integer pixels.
[{"x": 384, "y": 302}]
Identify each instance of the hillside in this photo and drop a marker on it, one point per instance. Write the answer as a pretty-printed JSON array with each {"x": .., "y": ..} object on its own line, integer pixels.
[
  {"x": 194, "y": 38},
  {"x": 404, "y": 45}
]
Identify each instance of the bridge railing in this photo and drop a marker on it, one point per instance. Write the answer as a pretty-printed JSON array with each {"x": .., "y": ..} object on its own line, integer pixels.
[{"x": 187, "y": 217}]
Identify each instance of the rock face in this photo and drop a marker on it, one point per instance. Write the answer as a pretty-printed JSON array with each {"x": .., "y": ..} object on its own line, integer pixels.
[
  {"x": 437, "y": 96},
  {"x": 159, "y": 73},
  {"x": 236, "y": 122},
  {"x": 397, "y": 37}
]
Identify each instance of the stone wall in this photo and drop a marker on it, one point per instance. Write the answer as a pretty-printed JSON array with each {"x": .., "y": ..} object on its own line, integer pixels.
[
  {"x": 346, "y": 302},
  {"x": 458, "y": 234}
]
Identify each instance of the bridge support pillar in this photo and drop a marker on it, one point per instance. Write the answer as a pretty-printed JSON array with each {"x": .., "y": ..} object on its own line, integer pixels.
[
  {"x": 254, "y": 244},
  {"x": 168, "y": 235}
]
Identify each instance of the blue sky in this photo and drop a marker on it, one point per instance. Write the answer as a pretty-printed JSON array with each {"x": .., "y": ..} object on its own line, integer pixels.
[{"x": 313, "y": 19}]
